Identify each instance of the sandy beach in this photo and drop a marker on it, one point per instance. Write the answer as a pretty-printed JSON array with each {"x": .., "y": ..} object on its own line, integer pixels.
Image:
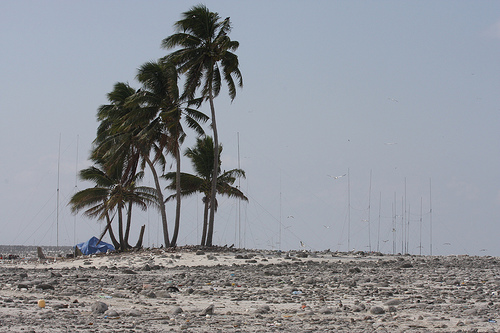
[{"x": 231, "y": 290}]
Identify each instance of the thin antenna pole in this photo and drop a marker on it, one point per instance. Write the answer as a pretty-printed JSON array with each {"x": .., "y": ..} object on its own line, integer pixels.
[
  {"x": 245, "y": 224},
  {"x": 402, "y": 226},
  {"x": 394, "y": 225},
  {"x": 197, "y": 219},
  {"x": 57, "y": 205},
  {"x": 379, "y": 213},
  {"x": 239, "y": 199},
  {"x": 430, "y": 212},
  {"x": 420, "y": 245},
  {"x": 408, "y": 231},
  {"x": 348, "y": 211},
  {"x": 76, "y": 188},
  {"x": 369, "y": 206},
  {"x": 404, "y": 222},
  {"x": 279, "y": 237}
]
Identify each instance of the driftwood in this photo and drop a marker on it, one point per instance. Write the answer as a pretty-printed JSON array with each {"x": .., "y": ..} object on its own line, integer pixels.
[
  {"x": 141, "y": 236},
  {"x": 40, "y": 253},
  {"x": 78, "y": 252}
]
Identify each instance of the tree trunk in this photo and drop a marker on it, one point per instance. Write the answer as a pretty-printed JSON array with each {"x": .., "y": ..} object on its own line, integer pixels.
[
  {"x": 215, "y": 171},
  {"x": 120, "y": 228},
  {"x": 205, "y": 222},
  {"x": 129, "y": 222},
  {"x": 173, "y": 243},
  {"x": 111, "y": 233},
  {"x": 161, "y": 202},
  {"x": 141, "y": 236}
]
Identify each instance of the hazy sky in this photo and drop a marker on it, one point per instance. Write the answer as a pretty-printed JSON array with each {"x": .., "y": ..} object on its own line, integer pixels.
[{"x": 404, "y": 91}]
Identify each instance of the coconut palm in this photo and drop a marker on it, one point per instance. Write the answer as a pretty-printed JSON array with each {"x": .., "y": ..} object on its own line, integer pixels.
[
  {"x": 110, "y": 194},
  {"x": 206, "y": 57},
  {"x": 127, "y": 134},
  {"x": 159, "y": 95},
  {"x": 201, "y": 182}
]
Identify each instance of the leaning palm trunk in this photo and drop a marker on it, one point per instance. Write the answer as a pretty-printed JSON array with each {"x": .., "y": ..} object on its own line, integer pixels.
[
  {"x": 205, "y": 222},
  {"x": 110, "y": 231},
  {"x": 215, "y": 171},
  {"x": 161, "y": 202},
  {"x": 129, "y": 223},
  {"x": 173, "y": 243},
  {"x": 120, "y": 228}
]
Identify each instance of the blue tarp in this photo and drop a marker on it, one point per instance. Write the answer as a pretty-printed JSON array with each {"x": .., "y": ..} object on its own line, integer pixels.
[{"x": 91, "y": 246}]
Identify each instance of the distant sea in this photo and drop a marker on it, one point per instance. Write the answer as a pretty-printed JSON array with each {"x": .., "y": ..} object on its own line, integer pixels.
[{"x": 30, "y": 252}]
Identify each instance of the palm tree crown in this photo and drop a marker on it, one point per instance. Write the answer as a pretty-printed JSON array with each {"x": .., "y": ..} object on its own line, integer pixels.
[{"x": 205, "y": 50}]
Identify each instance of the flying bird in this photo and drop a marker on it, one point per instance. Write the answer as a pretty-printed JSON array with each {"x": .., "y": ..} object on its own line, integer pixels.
[
  {"x": 302, "y": 244},
  {"x": 391, "y": 143},
  {"x": 337, "y": 177},
  {"x": 393, "y": 100}
]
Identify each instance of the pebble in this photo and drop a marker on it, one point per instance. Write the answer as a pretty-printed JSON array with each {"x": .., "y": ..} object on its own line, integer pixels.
[
  {"x": 111, "y": 313},
  {"x": 176, "y": 310},
  {"x": 377, "y": 310},
  {"x": 99, "y": 307}
]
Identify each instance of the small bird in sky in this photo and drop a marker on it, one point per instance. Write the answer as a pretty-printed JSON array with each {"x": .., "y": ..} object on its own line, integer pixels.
[
  {"x": 337, "y": 177},
  {"x": 327, "y": 227},
  {"x": 393, "y": 100},
  {"x": 391, "y": 143},
  {"x": 447, "y": 244},
  {"x": 302, "y": 244},
  {"x": 290, "y": 217}
]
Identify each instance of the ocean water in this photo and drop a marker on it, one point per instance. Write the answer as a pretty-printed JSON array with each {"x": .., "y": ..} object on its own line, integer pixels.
[{"x": 30, "y": 252}]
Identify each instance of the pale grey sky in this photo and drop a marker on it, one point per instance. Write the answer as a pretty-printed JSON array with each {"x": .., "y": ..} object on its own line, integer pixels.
[{"x": 407, "y": 91}]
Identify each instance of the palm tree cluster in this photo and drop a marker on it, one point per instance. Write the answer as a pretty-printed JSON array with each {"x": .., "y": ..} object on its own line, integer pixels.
[{"x": 140, "y": 128}]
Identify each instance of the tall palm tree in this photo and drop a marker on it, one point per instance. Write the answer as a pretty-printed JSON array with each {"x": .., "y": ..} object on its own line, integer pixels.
[
  {"x": 205, "y": 51},
  {"x": 160, "y": 95},
  {"x": 201, "y": 182}
]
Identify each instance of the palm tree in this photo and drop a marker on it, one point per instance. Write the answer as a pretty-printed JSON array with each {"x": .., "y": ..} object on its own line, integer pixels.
[
  {"x": 110, "y": 194},
  {"x": 160, "y": 95},
  {"x": 201, "y": 182},
  {"x": 94, "y": 198},
  {"x": 205, "y": 51},
  {"x": 127, "y": 134}
]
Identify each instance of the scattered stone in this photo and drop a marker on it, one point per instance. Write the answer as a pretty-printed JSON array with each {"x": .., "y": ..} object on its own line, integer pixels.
[
  {"x": 134, "y": 313},
  {"x": 262, "y": 309},
  {"x": 111, "y": 313},
  {"x": 99, "y": 307},
  {"x": 208, "y": 310},
  {"x": 394, "y": 301},
  {"x": 354, "y": 270},
  {"x": 163, "y": 294},
  {"x": 45, "y": 286},
  {"x": 377, "y": 310},
  {"x": 129, "y": 271},
  {"x": 176, "y": 310}
]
